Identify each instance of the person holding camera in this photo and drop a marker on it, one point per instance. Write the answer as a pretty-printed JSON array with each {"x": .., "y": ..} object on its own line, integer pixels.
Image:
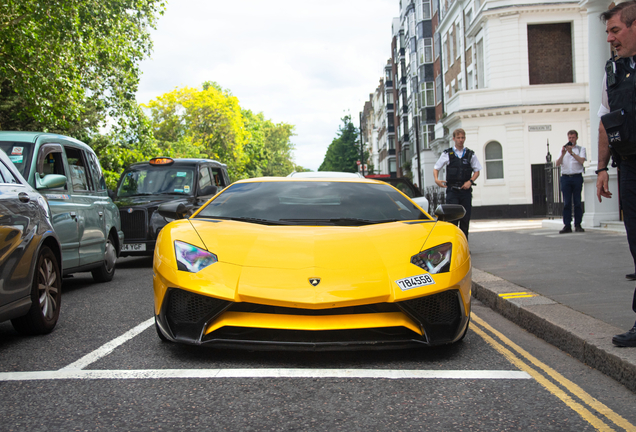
[
  {"x": 463, "y": 169},
  {"x": 571, "y": 162}
]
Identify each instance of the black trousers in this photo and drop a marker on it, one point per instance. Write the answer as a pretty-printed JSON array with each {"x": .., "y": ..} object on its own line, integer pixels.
[
  {"x": 465, "y": 198},
  {"x": 627, "y": 192}
]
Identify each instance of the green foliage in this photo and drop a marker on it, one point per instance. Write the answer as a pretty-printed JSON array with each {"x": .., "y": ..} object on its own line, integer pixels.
[
  {"x": 344, "y": 151},
  {"x": 209, "y": 122},
  {"x": 65, "y": 66}
]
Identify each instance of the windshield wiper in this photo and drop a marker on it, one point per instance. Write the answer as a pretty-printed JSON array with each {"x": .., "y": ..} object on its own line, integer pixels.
[
  {"x": 338, "y": 221},
  {"x": 245, "y": 219},
  {"x": 173, "y": 193}
]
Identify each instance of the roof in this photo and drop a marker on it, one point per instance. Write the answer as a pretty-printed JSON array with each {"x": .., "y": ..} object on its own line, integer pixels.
[
  {"x": 33, "y": 136},
  {"x": 182, "y": 161}
]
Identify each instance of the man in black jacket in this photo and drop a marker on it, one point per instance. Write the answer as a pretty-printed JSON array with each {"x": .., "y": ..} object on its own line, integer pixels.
[{"x": 617, "y": 130}]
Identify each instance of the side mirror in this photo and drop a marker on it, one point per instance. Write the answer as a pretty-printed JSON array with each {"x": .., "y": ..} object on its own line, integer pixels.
[
  {"x": 173, "y": 210},
  {"x": 450, "y": 212},
  {"x": 49, "y": 181},
  {"x": 208, "y": 190}
]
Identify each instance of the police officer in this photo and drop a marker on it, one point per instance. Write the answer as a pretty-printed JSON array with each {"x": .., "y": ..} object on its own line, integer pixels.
[
  {"x": 463, "y": 169},
  {"x": 617, "y": 130}
]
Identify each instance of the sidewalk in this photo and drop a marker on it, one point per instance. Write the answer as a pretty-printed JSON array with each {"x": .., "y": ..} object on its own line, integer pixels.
[{"x": 577, "y": 296}]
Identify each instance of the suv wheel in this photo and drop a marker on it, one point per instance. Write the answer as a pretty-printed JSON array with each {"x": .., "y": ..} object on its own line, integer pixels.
[
  {"x": 46, "y": 296},
  {"x": 106, "y": 271}
]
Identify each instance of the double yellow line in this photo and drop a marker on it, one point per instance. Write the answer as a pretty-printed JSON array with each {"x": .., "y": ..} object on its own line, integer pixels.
[{"x": 545, "y": 376}]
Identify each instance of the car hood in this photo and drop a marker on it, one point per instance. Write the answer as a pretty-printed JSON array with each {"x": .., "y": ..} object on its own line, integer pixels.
[
  {"x": 276, "y": 264},
  {"x": 148, "y": 200}
]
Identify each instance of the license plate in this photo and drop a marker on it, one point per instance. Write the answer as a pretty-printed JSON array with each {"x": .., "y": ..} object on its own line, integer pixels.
[
  {"x": 134, "y": 247},
  {"x": 415, "y": 282}
]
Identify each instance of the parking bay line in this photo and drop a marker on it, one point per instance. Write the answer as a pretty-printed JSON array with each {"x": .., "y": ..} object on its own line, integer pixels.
[{"x": 65, "y": 374}]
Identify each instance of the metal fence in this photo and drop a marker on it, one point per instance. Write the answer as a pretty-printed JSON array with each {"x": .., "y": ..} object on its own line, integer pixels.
[{"x": 554, "y": 200}]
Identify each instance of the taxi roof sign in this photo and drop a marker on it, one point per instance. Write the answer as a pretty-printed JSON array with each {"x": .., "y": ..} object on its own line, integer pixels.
[{"x": 161, "y": 161}]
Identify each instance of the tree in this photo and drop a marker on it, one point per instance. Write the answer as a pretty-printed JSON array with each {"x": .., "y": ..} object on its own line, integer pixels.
[
  {"x": 209, "y": 119},
  {"x": 68, "y": 65},
  {"x": 344, "y": 151}
]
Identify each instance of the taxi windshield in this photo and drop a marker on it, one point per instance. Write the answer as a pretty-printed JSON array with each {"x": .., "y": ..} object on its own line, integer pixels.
[
  {"x": 20, "y": 155},
  {"x": 149, "y": 180}
]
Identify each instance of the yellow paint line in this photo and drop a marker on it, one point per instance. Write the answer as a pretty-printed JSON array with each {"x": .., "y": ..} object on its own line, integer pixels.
[
  {"x": 556, "y": 391},
  {"x": 517, "y": 296},
  {"x": 569, "y": 385},
  {"x": 508, "y": 294}
]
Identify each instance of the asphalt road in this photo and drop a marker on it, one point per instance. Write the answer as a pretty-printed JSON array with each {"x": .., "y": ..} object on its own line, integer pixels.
[{"x": 104, "y": 368}]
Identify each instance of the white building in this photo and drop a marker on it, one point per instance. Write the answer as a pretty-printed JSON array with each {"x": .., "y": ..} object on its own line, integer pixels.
[{"x": 515, "y": 78}]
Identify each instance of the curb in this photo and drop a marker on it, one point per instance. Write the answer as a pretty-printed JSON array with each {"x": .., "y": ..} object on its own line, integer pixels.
[{"x": 585, "y": 338}]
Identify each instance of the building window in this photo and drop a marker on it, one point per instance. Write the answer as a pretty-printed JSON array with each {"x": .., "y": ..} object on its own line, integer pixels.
[
  {"x": 438, "y": 89},
  {"x": 550, "y": 53},
  {"x": 438, "y": 45},
  {"x": 391, "y": 143},
  {"x": 426, "y": 9},
  {"x": 479, "y": 61},
  {"x": 428, "y": 50},
  {"x": 428, "y": 94},
  {"x": 392, "y": 165},
  {"x": 427, "y": 135},
  {"x": 458, "y": 41},
  {"x": 494, "y": 161}
]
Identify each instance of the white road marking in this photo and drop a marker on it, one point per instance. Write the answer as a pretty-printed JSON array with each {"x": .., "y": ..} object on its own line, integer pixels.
[
  {"x": 66, "y": 374},
  {"x": 107, "y": 348}
]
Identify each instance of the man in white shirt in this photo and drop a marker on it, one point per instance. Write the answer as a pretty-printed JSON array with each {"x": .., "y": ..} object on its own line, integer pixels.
[{"x": 571, "y": 162}]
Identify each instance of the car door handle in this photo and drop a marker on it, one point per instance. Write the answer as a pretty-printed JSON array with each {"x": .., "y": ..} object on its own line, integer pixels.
[
  {"x": 73, "y": 215},
  {"x": 24, "y": 197},
  {"x": 101, "y": 214}
]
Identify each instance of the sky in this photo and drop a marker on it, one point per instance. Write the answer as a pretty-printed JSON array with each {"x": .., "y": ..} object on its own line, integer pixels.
[{"x": 306, "y": 63}]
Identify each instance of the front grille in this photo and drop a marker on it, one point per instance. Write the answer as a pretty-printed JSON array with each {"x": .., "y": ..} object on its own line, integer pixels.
[
  {"x": 133, "y": 224},
  {"x": 442, "y": 308},
  {"x": 363, "y": 309},
  {"x": 186, "y": 307}
]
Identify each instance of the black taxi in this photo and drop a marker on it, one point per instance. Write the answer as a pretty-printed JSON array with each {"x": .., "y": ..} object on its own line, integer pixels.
[{"x": 145, "y": 186}]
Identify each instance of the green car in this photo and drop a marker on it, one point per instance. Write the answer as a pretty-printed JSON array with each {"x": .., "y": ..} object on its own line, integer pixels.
[{"x": 67, "y": 173}]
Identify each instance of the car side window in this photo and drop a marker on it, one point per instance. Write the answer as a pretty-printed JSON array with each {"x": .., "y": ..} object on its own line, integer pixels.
[
  {"x": 217, "y": 174},
  {"x": 6, "y": 175},
  {"x": 53, "y": 163},
  {"x": 204, "y": 177},
  {"x": 96, "y": 171},
  {"x": 79, "y": 171}
]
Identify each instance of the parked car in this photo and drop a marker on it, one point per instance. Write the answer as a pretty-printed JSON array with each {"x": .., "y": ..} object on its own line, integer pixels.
[
  {"x": 67, "y": 173},
  {"x": 338, "y": 263},
  {"x": 30, "y": 256},
  {"x": 144, "y": 186},
  {"x": 405, "y": 186}
]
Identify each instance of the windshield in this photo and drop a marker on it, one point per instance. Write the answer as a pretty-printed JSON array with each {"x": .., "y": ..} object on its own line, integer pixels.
[
  {"x": 20, "y": 155},
  {"x": 148, "y": 180},
  {"x": 312, "y": 203}
]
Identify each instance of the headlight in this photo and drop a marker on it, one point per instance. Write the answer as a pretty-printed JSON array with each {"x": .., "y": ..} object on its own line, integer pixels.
[
  {"x": 434, "y": 260},
  {"x": 191, "y": 258}
]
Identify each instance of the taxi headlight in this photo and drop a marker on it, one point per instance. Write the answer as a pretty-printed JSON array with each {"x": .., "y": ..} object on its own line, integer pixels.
[
  {"x": 434, "y": 260},
  {"x": 191, "y": 258}
]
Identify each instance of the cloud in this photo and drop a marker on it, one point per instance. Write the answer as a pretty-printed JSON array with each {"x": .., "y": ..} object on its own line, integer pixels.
[{"x": 299, "y": 62}]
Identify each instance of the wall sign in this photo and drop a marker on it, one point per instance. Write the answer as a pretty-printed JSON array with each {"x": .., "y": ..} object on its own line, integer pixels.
[{"x": 540, "y": 128}]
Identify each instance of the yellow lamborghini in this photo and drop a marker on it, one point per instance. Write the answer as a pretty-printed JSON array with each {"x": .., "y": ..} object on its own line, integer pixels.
[{"x": 319, "y": 264}]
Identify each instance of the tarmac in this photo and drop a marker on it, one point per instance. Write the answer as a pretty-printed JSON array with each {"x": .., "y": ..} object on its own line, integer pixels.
[{"x": 568, "y": 289}]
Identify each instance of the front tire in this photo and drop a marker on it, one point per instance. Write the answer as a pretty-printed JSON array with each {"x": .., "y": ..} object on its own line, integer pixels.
[
  {"x": 46, "y": 297},
  {"x": 106, "y": 271}
]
